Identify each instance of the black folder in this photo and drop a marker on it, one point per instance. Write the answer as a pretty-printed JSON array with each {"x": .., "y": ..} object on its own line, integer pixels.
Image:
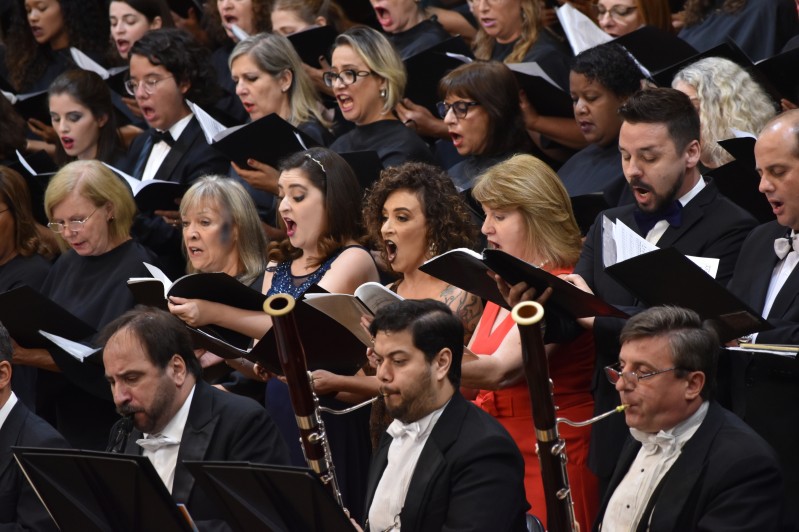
[
  {"x": 654, "y": 48},
  {"x": 312, "y": 43},
  {"x": 782, "y": 73},
  {"x": 366, "y": 165},
  {"x": 34, "y": 105},
  {"x": 739, "y": 181},
  {"x": 547, "y": 98},
  {"x": 466, "y": 271},
  {"x": 666, "y": 277},
  {"x": 268, "y": 497},
  {"x": 87, "y": 491},
  {"x": 426, "y": 68}
]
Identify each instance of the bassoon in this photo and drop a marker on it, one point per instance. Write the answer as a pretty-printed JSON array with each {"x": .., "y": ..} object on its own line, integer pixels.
[{"x": 313, "y": 438}]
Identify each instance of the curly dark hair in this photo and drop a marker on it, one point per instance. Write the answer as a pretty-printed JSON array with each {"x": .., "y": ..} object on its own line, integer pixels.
[
  {"x": 212, "y": 21},
  {"x": 610, "y": 65},
  {"x": 449, "y": 224},
  {"x": 87, "y": 29},
  {"x": 12, "y": 134},
  {"x": 697, "y": 10},
  {"x": 14, "y": 193},
  {"x": 331, "y": 174},
  {"x": 184, "y": 58}
]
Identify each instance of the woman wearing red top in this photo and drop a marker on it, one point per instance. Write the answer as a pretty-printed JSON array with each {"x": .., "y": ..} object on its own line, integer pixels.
[{"x": 529, "y": 215}]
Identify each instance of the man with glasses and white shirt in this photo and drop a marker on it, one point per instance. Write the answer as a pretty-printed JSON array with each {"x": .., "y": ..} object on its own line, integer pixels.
[{"x": 690, "y": 464}]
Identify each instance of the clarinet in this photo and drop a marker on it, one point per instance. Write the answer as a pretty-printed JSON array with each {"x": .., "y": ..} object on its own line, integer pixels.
[
  {"x": 117, "y": 445},
  {"x": 550, "y": 449},
  {"x": 313, "y": 438}
]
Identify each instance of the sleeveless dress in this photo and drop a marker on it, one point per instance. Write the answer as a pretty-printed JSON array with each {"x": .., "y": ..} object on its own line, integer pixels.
[
  {"x": 348, "y": 435},
  {"x": 570, "y": 368}
]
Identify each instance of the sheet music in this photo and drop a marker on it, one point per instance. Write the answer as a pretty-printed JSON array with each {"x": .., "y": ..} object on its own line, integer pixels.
[
  {"x": 156, "y": 272},
  {"x": 581, "y": 32},
  {"x": 533, "y": 69},
  {"x": 460, "y": 57},
  {"x": 210, "y": 126},
  {"x": 239, "y": 33},
  {"x": 25, "y": 163},
  {"x": 77, "y": 350},
  {"x": 740, "y": 134},
  {"x": 87, "y": 63}
]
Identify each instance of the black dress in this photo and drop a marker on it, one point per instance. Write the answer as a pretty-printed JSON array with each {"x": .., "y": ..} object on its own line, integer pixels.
[
  {"x": 549, "y": 51},
  {"x": 419, "y": 38},
  {"x": 596, "y": 169},
  {"x": 95, "y": 290},
  {"x": 394, "y": 143}
]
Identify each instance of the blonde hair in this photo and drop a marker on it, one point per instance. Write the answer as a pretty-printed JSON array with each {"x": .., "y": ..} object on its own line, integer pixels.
[
  {"x": 274, "y": 55},
  {"x": 235, "y": 205},
  {"x": 94, "y": 181},
  {"x": 526, "y": 183},
  {"x": 728, "y": 98},
  {"x": 530, "y": 14},
  {"x": 381, "y": 58}
]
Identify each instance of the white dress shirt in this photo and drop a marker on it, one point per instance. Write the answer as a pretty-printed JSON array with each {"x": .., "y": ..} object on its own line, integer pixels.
[
  {"x": 657, "y": 454},
  {"x": 406, "y": 447},
  {"x": 779, "y": 275},
  {"x": 161, "y": 149},
  {"x": 165, "y": 459},
  {"x": 6, "y": 409}
]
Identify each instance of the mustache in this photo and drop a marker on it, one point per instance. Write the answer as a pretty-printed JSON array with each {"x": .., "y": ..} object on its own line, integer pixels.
[
  {"x": 385, "y": 392},
  {"x": 126, "y": 410},
  {"x": 637, "y": 183}
]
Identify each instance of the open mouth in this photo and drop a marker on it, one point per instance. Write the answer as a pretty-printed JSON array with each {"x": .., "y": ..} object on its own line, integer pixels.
[
  {"x": 67, "y": 142},
  {"x": 147, "y": 112},
  {"x": 383, "y": 16},
  {"x": 195, "y": 251},
  {"x": 391, "y": 251},
  {"x": 776, "y": 206},
  {"x": 345, "y": 103},
  {"x": 231, "y": 19},
  {"x": 123, "y": 45},
  {"x": 291, "y": 226},
  {"x": 457, "y": 140}
]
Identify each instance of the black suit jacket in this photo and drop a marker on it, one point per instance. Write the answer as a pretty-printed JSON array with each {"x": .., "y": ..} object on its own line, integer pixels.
[
  {"x": 20, "y": 508},
  {"x": 726, "y": 478},
  {"x": 712, "y": 226},
  {"x": 470, "y": 475},
  {"x": 221, "y": 426}
]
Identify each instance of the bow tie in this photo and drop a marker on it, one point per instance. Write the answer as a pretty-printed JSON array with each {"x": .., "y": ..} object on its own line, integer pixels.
[
  {"x": 646, "y": 221},
  {"x": 784, "y": 245},
  {"x": 665, "y": 442},
  {"x": 155, "y": 442},
  {"x": 163, "y": 136},
  {"x": 398, "y": 429}
]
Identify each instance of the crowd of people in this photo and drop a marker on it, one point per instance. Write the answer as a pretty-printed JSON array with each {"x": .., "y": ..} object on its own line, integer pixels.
[{"x": 359, "y": 183}]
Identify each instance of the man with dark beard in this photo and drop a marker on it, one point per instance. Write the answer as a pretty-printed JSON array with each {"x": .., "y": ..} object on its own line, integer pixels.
[
  {"x": 443, "y": 464},
  {"x": 156, "y": 379},
  {"x": 674, "y": 207}
]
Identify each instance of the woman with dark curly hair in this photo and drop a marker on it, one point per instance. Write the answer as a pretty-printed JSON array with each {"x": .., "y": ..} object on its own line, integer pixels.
[
  {"x": 760, "y": 27},
  {"x": 319, "y": 206},
  {"x": 42, "y": 32},
  {"x": 601, "y": 79}
]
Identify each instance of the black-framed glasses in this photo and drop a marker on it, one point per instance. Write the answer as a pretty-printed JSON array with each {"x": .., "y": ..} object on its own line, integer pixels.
[
  {"x": 616, "y": 12},
  {"x": 613, "y": 374},
  {"x": 72, "y": 225},
  {"x": 148, "y": 84},
  {"x": 460, "y": 108},
  {"x": 346, "y": 77}
]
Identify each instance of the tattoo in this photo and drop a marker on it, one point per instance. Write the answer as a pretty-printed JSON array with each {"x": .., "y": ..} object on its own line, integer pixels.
[{"x": 465, "y": 306}]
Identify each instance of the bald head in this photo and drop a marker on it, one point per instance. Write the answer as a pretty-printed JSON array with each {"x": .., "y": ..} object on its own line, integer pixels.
[{"x": 777, "y": 162}]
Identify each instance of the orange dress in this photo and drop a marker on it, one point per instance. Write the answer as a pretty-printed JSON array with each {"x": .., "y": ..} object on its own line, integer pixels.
[{"x": 571, "y": 368}]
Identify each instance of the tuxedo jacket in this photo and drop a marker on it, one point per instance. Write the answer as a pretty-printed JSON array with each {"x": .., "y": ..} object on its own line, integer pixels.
[
  {"x": 20, "y": 508},
  {"x": 712, "y": 226},
  {"x": 191, "y": 156},
  {"x": 470, "y": 475},
  {"x": 221, "y": 426},
  {"x": 726, "y": 478}
]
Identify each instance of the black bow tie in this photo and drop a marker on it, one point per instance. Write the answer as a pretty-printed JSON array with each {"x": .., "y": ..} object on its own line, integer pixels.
[
  {"x": 163, "y": 136},
  {"x": 646, "y": 221}
]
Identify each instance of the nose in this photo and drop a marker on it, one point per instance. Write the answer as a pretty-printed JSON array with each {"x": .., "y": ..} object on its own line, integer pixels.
[
  {"x": 579, "y": 107},
  {"x": 486, "y": 228},
  {"x": 450, "y": 117},
  {"x": 241, "y": 88},
  {"x": 283, "y": 206},
  {"x": 225, "y": 4},
  {"x": 63, "y": 127},
  {"x": 765, "y": 185},
  {"x": 121, "y": 394},
  {"x": 387, "y": 227},
  {"x": 383, "y": 372},
  {"x": 631, "y": 169}
]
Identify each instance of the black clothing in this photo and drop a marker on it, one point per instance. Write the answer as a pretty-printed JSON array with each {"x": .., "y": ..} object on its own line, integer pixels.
[
  {"x": 596, "y": 169},
  {"x": 550, "y": 52},
  {"x": 419, "y": 38},
  {"x": 394, "y": 143}
]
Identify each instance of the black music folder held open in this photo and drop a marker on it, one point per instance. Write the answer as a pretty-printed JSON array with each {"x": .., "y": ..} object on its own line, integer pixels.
[
  {"x": 268, "y": 497},
  {"x": 666, "y": 277},
  {"x": 312, "y": 43},
  {"x": 467, "y": 270},
  {"x": 89, "y": 491}
]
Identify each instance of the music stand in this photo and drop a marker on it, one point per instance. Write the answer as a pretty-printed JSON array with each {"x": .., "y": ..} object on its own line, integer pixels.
[
  {"x": 89, "y": 491},
  {"x": 269, "y": 497}
]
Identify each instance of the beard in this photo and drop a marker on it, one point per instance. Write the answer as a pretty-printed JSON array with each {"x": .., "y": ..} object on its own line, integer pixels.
[
  {"x": 155, "y": 416},
  {"x": 414, "y": 401},
  {"x": 659, "y": 202}
]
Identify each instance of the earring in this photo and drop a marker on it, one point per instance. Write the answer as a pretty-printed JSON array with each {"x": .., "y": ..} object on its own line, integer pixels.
[
  {"x": 432, "y": 249},
  {"x": 383, "y": 93}
]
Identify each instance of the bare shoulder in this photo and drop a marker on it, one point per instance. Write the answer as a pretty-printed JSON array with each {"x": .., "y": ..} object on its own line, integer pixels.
[{"x": 353, "y": 267}]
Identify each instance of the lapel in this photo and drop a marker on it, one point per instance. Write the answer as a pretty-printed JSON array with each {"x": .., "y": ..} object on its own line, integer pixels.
[
  {"x": 197, "y": 435},
  {"x": 759, "y": 260},
  {"x": 432, "y": 461},
  {"x": 378, "y": 465},
  {"x": 10, "y": 433},
  {"x": 628, "y": 454},
  {"x": 692, "y": 214},
  {"x": 679, "y": 482},
  {"x": 789, "y": 291},
  {"x": 178, "y": 151}
]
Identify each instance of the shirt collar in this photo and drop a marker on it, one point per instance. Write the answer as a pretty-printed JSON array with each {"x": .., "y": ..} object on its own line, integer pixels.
[
  {"x": 178, "y": 127},
  {"x": 6, "y": 408},
  {"x": 691, "y": 194},
  {"x": 421, "y": 427}
]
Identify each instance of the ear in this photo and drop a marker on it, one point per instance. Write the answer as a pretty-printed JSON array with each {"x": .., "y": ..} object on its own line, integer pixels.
[
  {"x": 177, "y": 370},
  {"x": 5, "y": 374},
  {"x": 102, "y": 121},
  {"x": 695, "y": 383},
  {"x": 109, "y": 209},
  {"x": 692, "y": 153},
  {"x": 184, "y": 86},
  {"x": 157, "y": 23},
  {"x": 285, "y": 79},
  {"x": 441, "y": 363},
  {"x": 320, "y": 21}
]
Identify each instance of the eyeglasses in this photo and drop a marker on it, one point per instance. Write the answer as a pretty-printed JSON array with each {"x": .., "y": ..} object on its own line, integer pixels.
[
  {"x": 472, "y": 3},
  {"x": 616, "y": 12},
  {"x": 632, "y": 377},
  {"x": 460, "y": 108},
  {"x": 72, "y": 225},
  {"x": 346, "y": 77},
  {"x": 149, "y": 85}
]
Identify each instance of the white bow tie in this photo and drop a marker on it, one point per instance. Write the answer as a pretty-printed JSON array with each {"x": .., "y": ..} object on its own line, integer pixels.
[
  {"x": 667, "y": 443},
  {"x": 784, "y": 245},
  {"x": 398, "y": 429},
  {"x": 156, "y": 441}
]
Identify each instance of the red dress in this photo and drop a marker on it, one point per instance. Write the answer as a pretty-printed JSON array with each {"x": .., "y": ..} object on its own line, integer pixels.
[{"x": 571, "y": 367}]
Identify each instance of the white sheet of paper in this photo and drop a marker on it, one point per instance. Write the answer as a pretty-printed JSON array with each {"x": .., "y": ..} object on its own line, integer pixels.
[{"x": 581, "y": 32}]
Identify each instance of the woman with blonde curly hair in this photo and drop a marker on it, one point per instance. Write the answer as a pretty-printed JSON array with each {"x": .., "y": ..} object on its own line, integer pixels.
[
  {"x": 726, "y": 97},
  {"x": 529, "y": 215}
]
